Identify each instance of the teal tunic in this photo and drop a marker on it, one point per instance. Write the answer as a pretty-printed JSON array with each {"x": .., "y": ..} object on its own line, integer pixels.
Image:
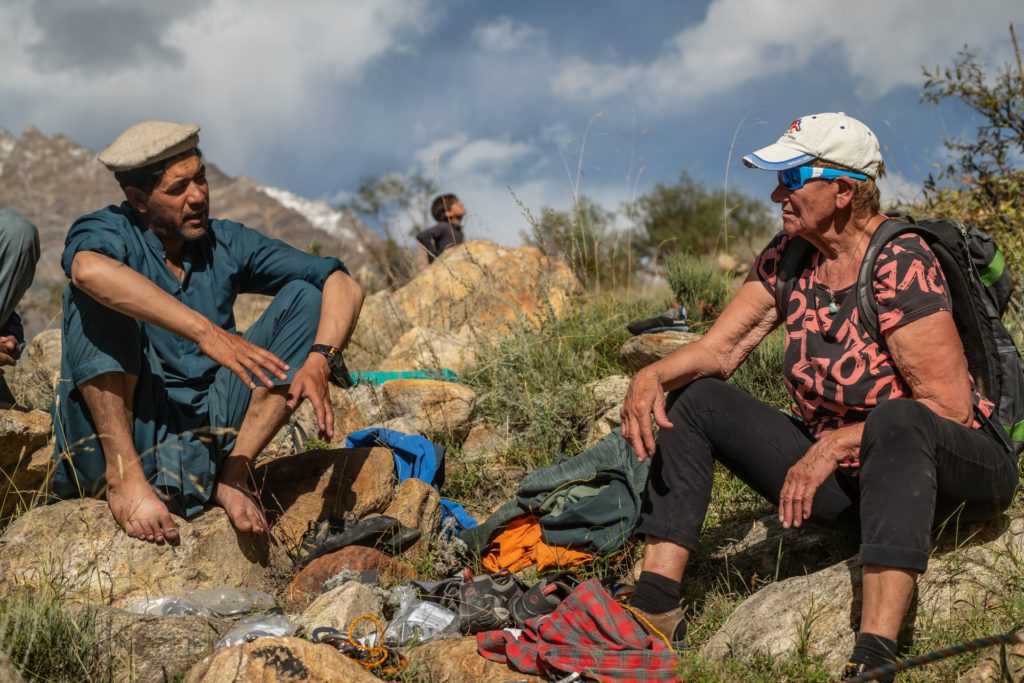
[{"x": 187, "y": 408}]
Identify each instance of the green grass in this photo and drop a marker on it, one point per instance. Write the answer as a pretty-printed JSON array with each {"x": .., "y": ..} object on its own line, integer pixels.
[{"x": 47, "y": 642}]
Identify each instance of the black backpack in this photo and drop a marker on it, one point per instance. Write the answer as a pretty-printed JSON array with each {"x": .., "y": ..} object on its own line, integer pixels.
[{"x": 980, "y": 288}]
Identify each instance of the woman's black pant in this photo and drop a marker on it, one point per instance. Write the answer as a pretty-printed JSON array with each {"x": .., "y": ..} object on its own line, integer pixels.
[{"x": 917, "y": 471}]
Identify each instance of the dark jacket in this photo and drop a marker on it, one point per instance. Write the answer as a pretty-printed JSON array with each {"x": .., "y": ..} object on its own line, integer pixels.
[{"x": 440, "y": 237}]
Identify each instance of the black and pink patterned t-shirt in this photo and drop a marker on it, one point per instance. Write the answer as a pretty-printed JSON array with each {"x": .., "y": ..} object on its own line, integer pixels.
[{"x": 834, "y": 370}]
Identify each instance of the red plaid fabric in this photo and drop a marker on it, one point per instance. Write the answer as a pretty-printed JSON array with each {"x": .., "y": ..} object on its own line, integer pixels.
[{"x": 588, "y": 633}]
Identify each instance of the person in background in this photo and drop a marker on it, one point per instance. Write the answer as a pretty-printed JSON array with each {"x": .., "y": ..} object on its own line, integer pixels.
[
  {"x": 19, "y": 253},
  {"x": 448, "y": 211}
]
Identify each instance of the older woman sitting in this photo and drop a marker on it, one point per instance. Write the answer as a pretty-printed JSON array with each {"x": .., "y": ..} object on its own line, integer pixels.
[{"x": 892, "y": 434}]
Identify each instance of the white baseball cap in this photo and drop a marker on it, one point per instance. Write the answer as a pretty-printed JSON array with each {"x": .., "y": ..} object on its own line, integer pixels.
[{"x": 831, "y": 136}]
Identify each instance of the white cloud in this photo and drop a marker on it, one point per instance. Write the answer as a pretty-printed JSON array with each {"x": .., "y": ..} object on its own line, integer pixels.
[
  {"x": 505, "y": 34},
  {"x": 251, "y": 72},
  {"x": 882, "y": 43},
  {"x": 478, "y": 170},
  {"x": 898, "y": 189}
]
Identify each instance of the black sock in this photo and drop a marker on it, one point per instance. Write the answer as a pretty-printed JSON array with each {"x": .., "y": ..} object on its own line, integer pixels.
[
  {"x": 874, "y": 651},
  {"x": 655, "y": 593}
]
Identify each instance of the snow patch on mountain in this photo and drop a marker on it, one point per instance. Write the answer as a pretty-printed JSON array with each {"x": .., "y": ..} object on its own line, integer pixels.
[{"x": 319, "y": 213}]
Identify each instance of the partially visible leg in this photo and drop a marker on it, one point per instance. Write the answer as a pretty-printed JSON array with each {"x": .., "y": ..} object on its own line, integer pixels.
[
  {"x": 887, "y": 592},
  {"x": 99, "y": 437},
  {"x": 246, "y": 421},
  {"x": 19, "y": 252},
  {"x": 133, "y": 502},
  {"x": 715, "y": 421},
  {"x": 234, "y": 490},
  {"x": 916, "y": 469}
]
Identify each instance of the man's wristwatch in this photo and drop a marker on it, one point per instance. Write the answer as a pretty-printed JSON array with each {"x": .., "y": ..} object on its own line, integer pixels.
[{"x": 335, "y": 363}]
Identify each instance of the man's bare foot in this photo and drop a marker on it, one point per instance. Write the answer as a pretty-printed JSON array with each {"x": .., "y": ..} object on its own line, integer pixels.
[
  {"x": 141, "y": 513},
  {"x": 233, "y": 493}
]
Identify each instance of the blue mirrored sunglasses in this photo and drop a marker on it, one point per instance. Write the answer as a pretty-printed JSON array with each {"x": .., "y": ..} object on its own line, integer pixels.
[{"x": 794, "y": 178}]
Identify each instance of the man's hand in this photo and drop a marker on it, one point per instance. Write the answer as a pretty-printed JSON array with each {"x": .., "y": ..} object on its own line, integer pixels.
[
  {"x": 645, "y": 398},
  {"x": 311, "y": 382},
  {"x": 241, "y": 357},
  {"x": 8, "y": 350},
  {"x": 808, "y": 474}
]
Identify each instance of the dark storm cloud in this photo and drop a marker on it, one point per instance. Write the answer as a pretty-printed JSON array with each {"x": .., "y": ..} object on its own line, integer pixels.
[{"x": 107, "y": 35}]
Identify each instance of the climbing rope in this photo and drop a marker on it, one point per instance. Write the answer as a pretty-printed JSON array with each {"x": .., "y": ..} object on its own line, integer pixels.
[
  {"x": 970, "y": 646},
  {"x": 369, "y": 656}
]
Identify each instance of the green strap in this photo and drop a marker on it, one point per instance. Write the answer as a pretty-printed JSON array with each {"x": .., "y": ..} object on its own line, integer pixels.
[
  {"x": 994, "y": 270},
  {"x": 378, "y": 378},
  {"x": 1016, "y": 431}
]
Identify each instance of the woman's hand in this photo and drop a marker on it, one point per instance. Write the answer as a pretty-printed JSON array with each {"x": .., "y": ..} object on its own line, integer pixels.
[
  {"x": 808, "y": 474},
  {"x": 645, "y": 397}
]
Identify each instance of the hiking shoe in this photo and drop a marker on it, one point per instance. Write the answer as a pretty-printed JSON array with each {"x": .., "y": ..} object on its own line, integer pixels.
[
  {"x": 855, "y": 669},
  {"x": 316, "y": 534},
  {"x": 484, "y": 602},
  {"x": 670, "y": 625},
  {"x": 543, "y": 597}
]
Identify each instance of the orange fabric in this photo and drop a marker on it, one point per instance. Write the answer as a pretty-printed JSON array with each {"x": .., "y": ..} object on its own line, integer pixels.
[{"x": 520, "y": 545}]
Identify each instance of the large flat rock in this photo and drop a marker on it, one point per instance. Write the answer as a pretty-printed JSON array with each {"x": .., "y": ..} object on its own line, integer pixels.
[
  {"x": 77, "y": 545},
  {"x": 822, "y": 609}
]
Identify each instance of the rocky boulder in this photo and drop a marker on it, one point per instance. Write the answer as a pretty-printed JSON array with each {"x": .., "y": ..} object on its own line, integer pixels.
[
  {"x": 990, "y": 669},
  {"x": 278, "y": 660},
  {"x": 417, "y": 505},
  {"x": 34, "y": 379},
  {"x": 822, "y": 610},
  {"x": 78, "y": 545},
  {"x": 339, "y": 607},
  {"x": 145, "y": 647},
  {"x": 642, "y": 350},
  {"x": 430, "y": 406},
  {"x": 26, "y": 458},
  {"x": 478, "y": 291},
  {"x": 356, "y": 558},
  {"x": 456, "y": 660},
  {"x": 422, "y": 348},
  {"x": 609, "y": 394},
  {"x": 8, "y": 671},
  {"x": 311, "y": 486}
]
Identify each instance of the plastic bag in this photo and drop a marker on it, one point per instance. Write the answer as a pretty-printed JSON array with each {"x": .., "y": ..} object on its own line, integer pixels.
[
  {"x": 418, "y": 621},
  {"x": 257, "y": 626},
  {"x": 222, "y": 601},
  {"x": 228, "y": 601},
  {"x": 171, "y": 605}
]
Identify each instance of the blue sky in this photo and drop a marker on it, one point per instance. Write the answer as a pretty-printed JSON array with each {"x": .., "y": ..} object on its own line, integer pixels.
[{"x": 495, "y": 101}]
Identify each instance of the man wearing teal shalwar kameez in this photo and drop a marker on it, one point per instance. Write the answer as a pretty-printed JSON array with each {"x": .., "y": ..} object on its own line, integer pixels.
[{"x": 161, "y": 405}]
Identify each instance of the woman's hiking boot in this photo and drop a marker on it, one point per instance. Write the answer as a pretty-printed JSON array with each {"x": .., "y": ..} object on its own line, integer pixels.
[
  {"x": 670, "y": 625},
  {"x": 855, "y": 669}
]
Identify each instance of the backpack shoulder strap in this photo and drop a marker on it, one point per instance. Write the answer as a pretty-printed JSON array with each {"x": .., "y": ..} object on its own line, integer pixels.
[
  {"x": 794, "y": 259},
  {"x": 867, "y": 307}
]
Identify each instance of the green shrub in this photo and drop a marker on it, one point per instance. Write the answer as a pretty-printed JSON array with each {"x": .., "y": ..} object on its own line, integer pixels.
[
  {"x": 701, "y": 287},
  {"x": 534, "y": 381},
  {"x": 761, "y": 374},
  {"x": 49, "y": 643}
]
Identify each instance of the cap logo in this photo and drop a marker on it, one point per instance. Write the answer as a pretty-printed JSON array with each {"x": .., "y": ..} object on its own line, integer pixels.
[{"x": 795, "y": 126}]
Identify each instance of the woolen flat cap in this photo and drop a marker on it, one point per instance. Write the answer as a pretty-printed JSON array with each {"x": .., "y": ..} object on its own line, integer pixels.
[{"x": 149, "y": 142}]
